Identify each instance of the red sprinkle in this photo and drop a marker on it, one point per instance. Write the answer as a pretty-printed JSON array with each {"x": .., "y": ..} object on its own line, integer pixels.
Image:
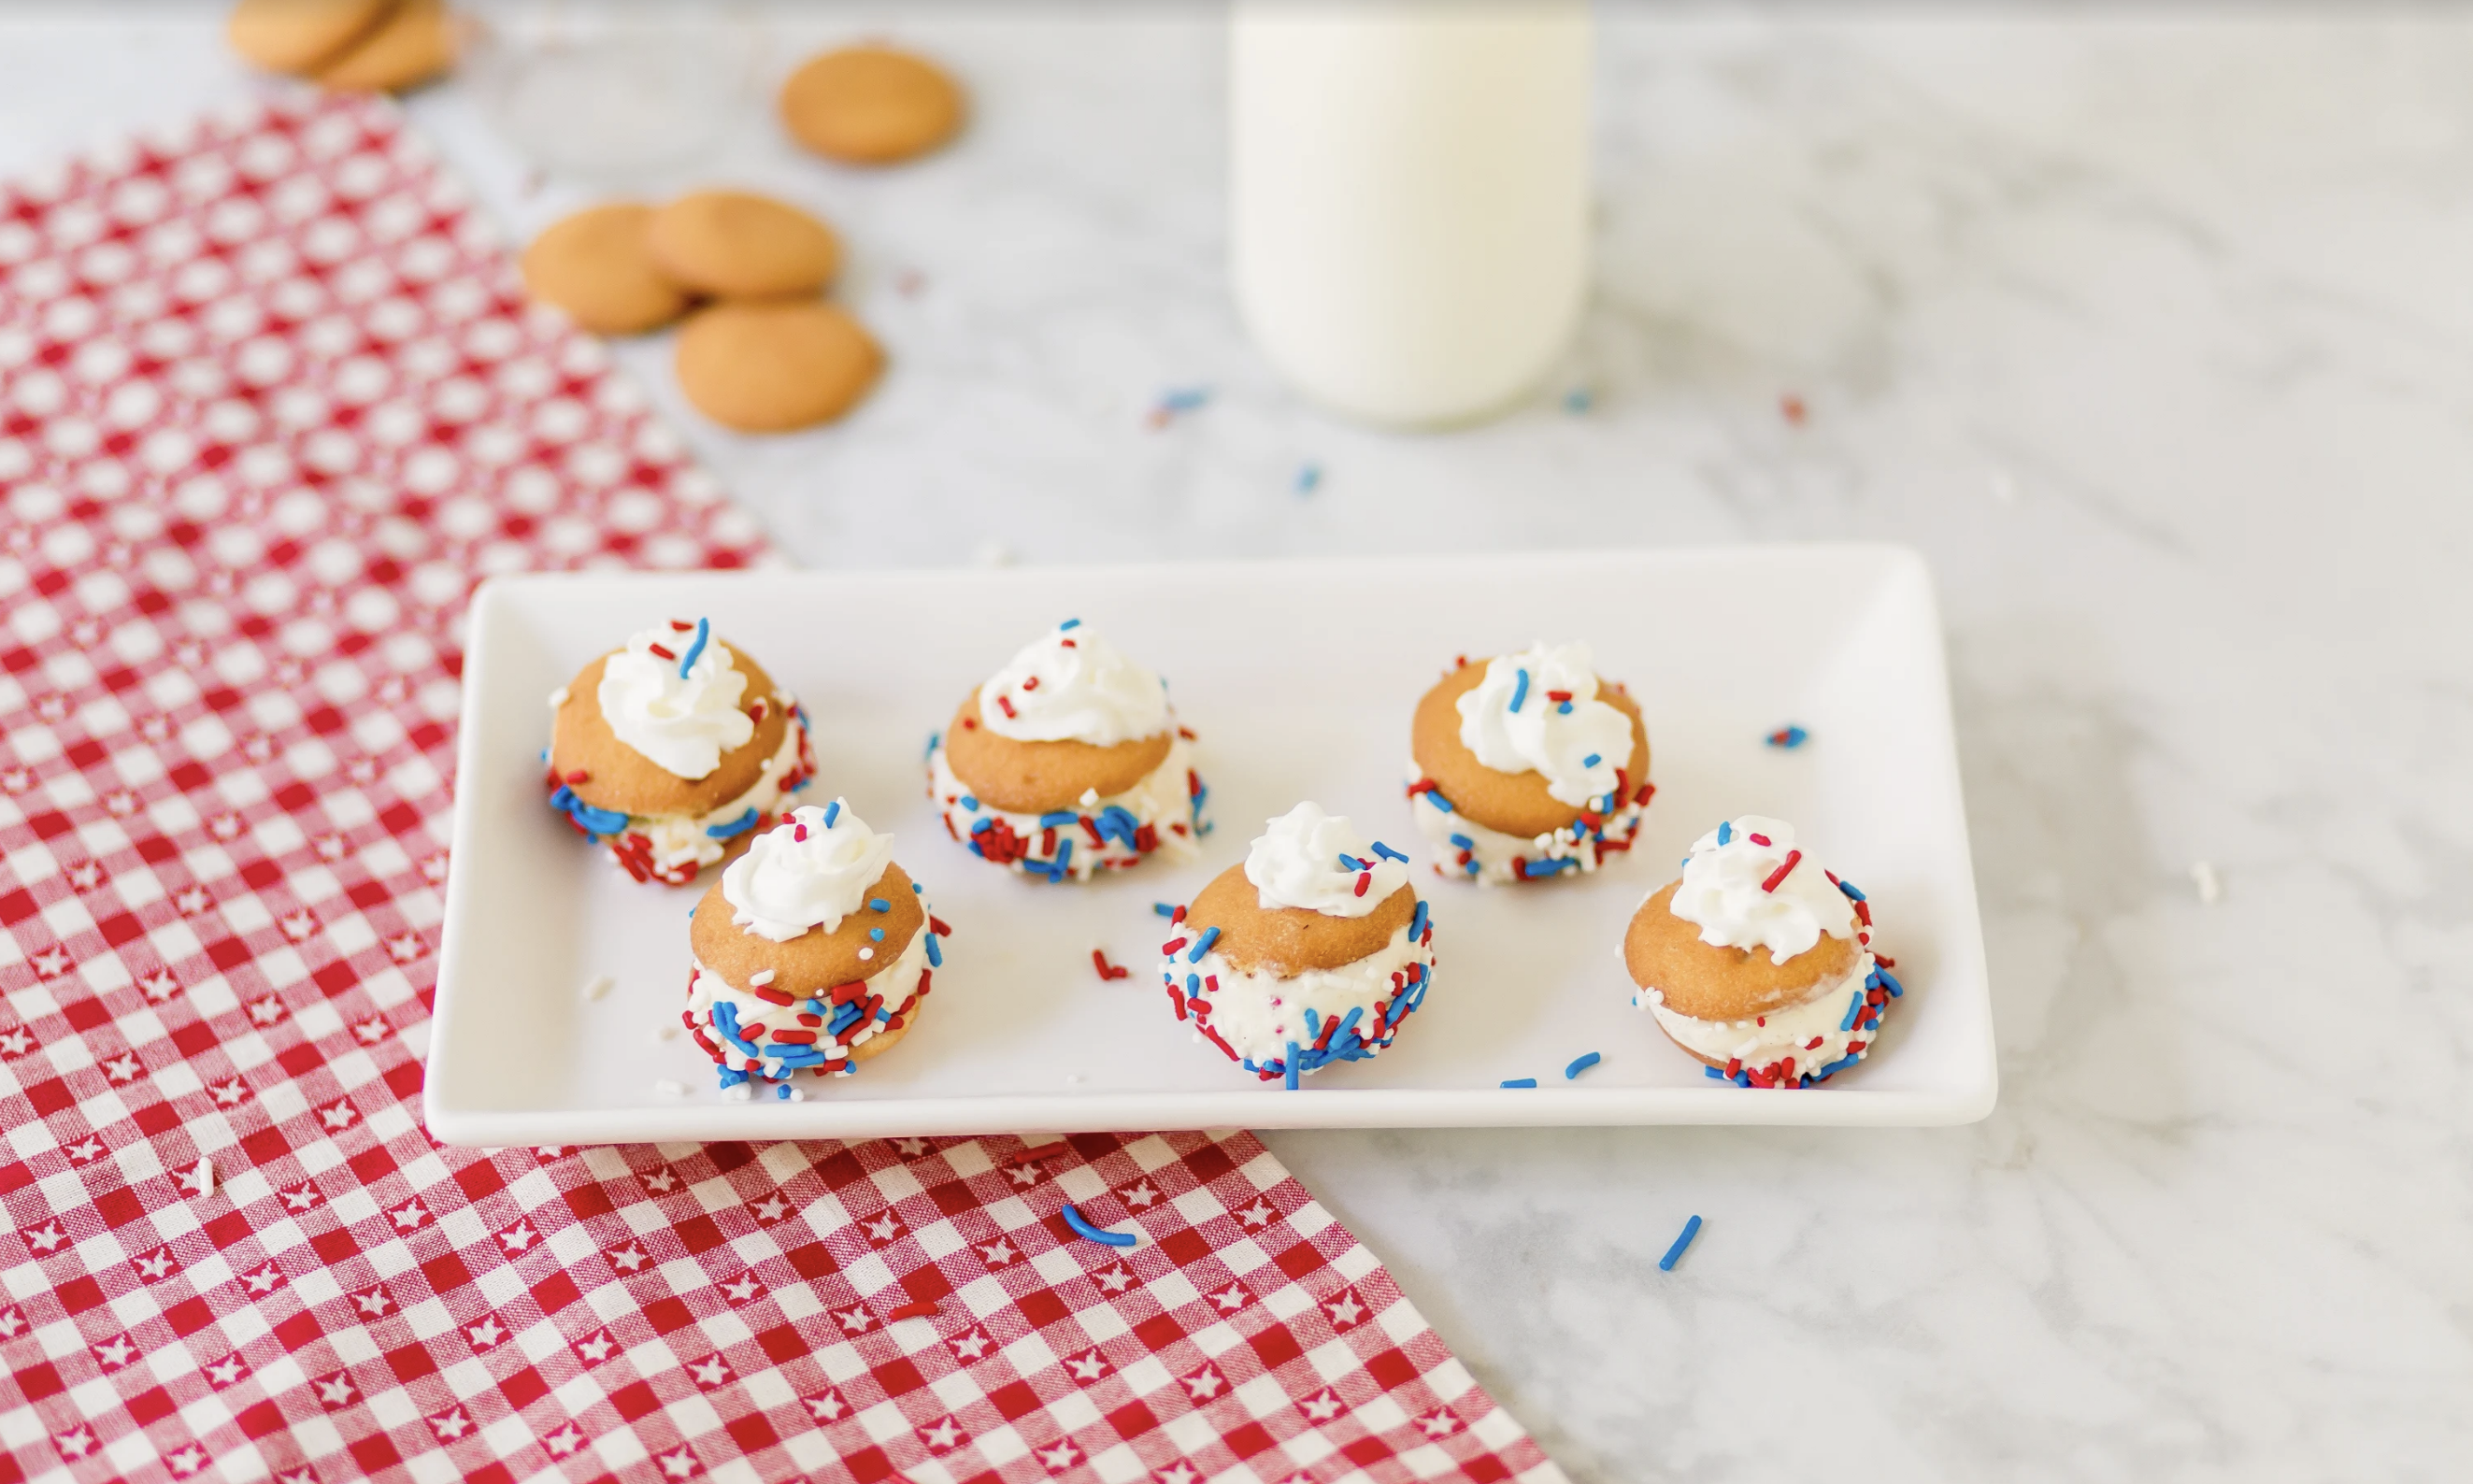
[
  {"x": 579, "y": 775},
  {"x": 1791, "y": 407},
  {"x": 1758, "y": 839},
  {"x": 970, "y": 724},
  {"x": 802, "y": 834},
  {"x": 1004, "y": 704},
  {"x": 1031, "y": 683},
  {"x": 1779, "y": 875},
  {"x": 795, "y": 1038},
  {"x": 1813, "y": 1045},
  {"x": 664, "y": 653},
  {"x": 1107, "y": 970},
  {"x": 916, "y": 1309},
  {"x": 936, "y": 925},
  {"x": 1364, "y": 881},
  {"x": 756, "y": 712}
]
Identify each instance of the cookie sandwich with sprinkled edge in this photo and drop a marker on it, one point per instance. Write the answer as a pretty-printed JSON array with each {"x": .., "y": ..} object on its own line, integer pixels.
[
  {"x": 674, "y": 751},
  {"x": 812, "y": 953},
  {"x": 1759, "y": 961},
  {"x": 1314, "y": 951},
  {"x": 1067, "y": 762},
  {"x": 1527, "y": 766}
]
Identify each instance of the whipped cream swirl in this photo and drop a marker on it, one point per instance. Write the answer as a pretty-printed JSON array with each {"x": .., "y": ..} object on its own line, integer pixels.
[
  {"x": 1747, "y": 886},
  {"x": 1071, "y": 685},
  {"x": 1317, "y": 861},
  {"x": 1539, "y": 711},
  {"x": 672, "y": 694},
  {"x": 810, "y": 870}
]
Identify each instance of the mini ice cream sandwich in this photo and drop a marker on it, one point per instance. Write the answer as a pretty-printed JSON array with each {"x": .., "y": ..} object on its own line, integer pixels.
[
  {"x": 673, "y": 750},
  {"x": 1759, "y": 961},
  {"x": 1527, "y": 766},
  {"x": 1314, "y": 951},
  {"x": 812, "y": 953},
  {"x": 1067, "y": 762}
]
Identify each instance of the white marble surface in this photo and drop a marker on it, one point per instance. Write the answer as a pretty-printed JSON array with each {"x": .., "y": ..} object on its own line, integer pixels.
[{"x": 2156, "y": 337}]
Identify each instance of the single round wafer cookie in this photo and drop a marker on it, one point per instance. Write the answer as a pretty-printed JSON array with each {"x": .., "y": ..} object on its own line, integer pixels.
[
  {"x": 815, "y": 962},
  {"x": 1288, "y": 941},
  {"x": 775, "y": 366},
  {"x": 1664, "y": 952},
  {"x": 870, "y": 104},
  {"x": 300, "y": 36},
  {"x": 1033, "y": 777},
  {"x": 739, "y": 245},
  {"x": 1515, "y": 804},
  {"x": 415, "y": 44},
  {"x": 618, "y": 777},
  {"x": 593, "y": 265}
]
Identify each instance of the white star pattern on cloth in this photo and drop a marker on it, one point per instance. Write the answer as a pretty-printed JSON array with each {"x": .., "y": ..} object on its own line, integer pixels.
[
  {"x": 296, "y": 1476},
  {"x": 1440, "y": 1422},
  {"x": 550, "y": 1151},
  {"x": 16, "y": 1040},
  {"x": 409, "y": 1215},
  {"x": 299, "y": 926},
  {"x": 46, "y": 1237},
  {"x": 16, "y": 780},
  {"x": 188, "y": 1460},
  {"x": 771, "y": 1209},
  {"x": 12, "y": 1323},
  {"x": 337, "y": 1116},
  {"x": 53, "y": 962},
  {"x": 335, "y": 1390},
  {"x": 885, "y": 1227},
  {"x": 1260, "y": 1214},
  {"x": 911, "y": 1148},
  {"x": 486, "y": 1335},
  {"x": 404, "y": 947},
  {"x": 1322, "y": 1407},
  {"x": 998, "y": 1253},
  {"x": 301, "y": 1197},
  {"x": 52, "y": 709},
  {"x": 710, "y": 1370},
  {"x": 118, "y": 1351},
  {"x": 1088, "y": 1366},
  {"x": 566, "y": 1440},
  {"x": 154, "y": 1266},
  {"x": 372, "y": 1302},
  {"x": 742, "y": 1288},
  {"x": 1139, "y": 1195},
  {"x": 520, "y": 1238},
  {"x": 972, "y": 1344},
  {"x": 86, "y": 1151},
  {"x": 160, "y": 986},
  {"x": 365, "y": 771},
  {"x": 450, "y": 1425},
  {"x": 192, "y": 900},
  {"x": 628, "y": 1259},
  {"x": 1231, "y": 1298},
  {"x": 266, "y": 1010},
  {"x": 369, "y": 1033},
  {"x": 1344, "y": 1310},
  {"x": 225, "y": 827},
  {"x": 855, "y": 1319},
  {"x": 434, "y": 869},
  {"x": 1061, "y": 1456},
  {"x": 1203, "y": 1384},
  {"x": 1114, "y": 1280},
  {"x": 224, "y": 1372},
  {"x": 85, "y": 875},
  {"x": 943, "y": 1435},
  {"x": 679, "y": 1465},
  {"x": 595, "y": 1347},
  {"x": 123, "y": 1067},
  {"x": 826, "y": 1406},
  {"x": 331, "y": 847},
  {"x": 230, "y": 1092},
  {"x": 264, "y": 1280},
  {"x": 1178, "y": 1473},
  {"x": 258, "y": 750},
  {"x": 661, "y": 1182},
  {"x": 76, "y": 1443},
  {"x": 1023, "y": 1175}
]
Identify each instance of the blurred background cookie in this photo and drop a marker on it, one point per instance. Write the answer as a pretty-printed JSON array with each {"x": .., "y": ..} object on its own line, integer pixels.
[
  {"x": 414, "y": 43},
  {"x": 870, "y": 104},
  {"x": 301, "y": 37},
  {"x": 739, "y": 245},
  {"x": 771, "y": 366},
  {"x": 595, "y": 266}
]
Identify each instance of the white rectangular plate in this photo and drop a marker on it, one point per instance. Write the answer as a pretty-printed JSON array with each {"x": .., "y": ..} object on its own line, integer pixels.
[{"x": 1299, "y": 678}]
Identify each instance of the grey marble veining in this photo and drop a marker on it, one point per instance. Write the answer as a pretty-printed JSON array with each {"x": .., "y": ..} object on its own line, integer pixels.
[{"x": 2155, "y": 335}]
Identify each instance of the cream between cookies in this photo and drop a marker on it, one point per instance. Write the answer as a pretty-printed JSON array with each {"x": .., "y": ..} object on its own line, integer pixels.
[
  {"x": 1160, "y": 814},
  {"x": 1258, "y": 1017},
  {"x": 1473, "y": 851},
  {"x": 1818, "y": 1031},
  {"x": 737, "y": 1028}
]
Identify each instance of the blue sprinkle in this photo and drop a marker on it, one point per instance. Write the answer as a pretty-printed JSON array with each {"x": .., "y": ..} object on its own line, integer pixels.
[
  {"x": 1854, "y": 1009},
  {"x": 1519, "y": 692},
  {"x": 1193, "y": 984},
  {"x": 732, "y": 1079},
  {"x": 1591, "y": 761},
  {"x": 935, "y": 740},
  {"x": 703, "y": 632},
  {"x": 1434, "y": 797},
  {"x": 1313, "y": 1023},
  {"x": 1831, "y": 1068},
  {"x": 876, "y": 935},
  {"x": 1725, "y": 830},
  {"x": 1788, "y": 737},
  {"x": 1580, "y": 1064},
  {"x": 1464, "y": 842},
  {"x": 545, "y": 754},
  {"x": 1184, "y": 398},
  {"x": 1348, "y": 1028},
  {"x": 1308, "y": 478},
  {"x": 981, "y": 826},
  {"x": 1350, "y": 863},
  {"x": 1163, "y": 908},
  {"x": 1292, "y": 1066},
  {"x": 1563, "y": 708},
  {"x": 1690, "y": 1230},
  {"x": 1472, "y": 867},
  {"x": 833, "y": 812},
  {"x": 935, "y": 954},
  {"x": 1082, "y": 1227},
  {"x": 1068, "y": 625},
  {"x": 1388, "y": 853},
  {"x": 879, "y": 904},
  {"x": 737, "y": 826},
  {"x": 1578, "y": 400},
  {"x": 1852, "y": 895},
  {"x": 814, "y": 1007},
  {"x": 1417, "y": 923},
  {"x": 1202, "y": 945},
  {"x": 1520, "y": 1082},
  {"x": 596, "y": 822},
  {"x": 1713, "y": 1072},
  {"x": 1743, "y": 1079},
  {"x": 1063, "y": 858},
  {"x": 783, "y": 1092},
  {"x": 1889, "y": 982},
  {"x": 800, "y": 1056},
  {"x": 1548, "y": 868},
  {"x": 916, "y": 887},
  {"x": 1057, "y": 818},
  {"x": 970, "y": 803}
]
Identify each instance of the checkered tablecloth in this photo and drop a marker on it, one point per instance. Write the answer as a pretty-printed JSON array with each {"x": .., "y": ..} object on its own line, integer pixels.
[{"x": 270, "y": 405}]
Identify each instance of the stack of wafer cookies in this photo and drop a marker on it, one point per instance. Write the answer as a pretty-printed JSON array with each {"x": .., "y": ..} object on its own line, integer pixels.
[{"x": 348, "y": 45}]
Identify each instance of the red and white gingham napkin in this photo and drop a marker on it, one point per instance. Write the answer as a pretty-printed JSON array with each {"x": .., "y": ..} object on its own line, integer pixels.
[{"x": 270, "y": 405}]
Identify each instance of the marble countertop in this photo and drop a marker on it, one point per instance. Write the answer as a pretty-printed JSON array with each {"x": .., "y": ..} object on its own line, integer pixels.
[{"x": 2154, "y": 336}]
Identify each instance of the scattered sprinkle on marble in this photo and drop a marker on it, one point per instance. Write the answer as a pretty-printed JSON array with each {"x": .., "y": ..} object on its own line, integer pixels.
[
  {"x": 601, "y": 985},
  {"x": 1308, "y": 478},
  {"x": 1791, "y": 407},
  {"x": 1578, "y": 400},
  {"x": 1690, "y": 1230},
  {"x": 2211, "y": 887},
  {"x": 1788, "y": 737}
]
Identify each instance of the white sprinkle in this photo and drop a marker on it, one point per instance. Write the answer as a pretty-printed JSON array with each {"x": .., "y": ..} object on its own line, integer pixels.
[
  {"x": 2211, "y": 888},
  {"x": 669, "y": 1087},
  {"x": 600, "y": 986},
  {"x": 864, "y": 954},
  {"x": 1089, "y": 797},
  {"x": 796, "y": 1096},
  {"x": 202, "y": 1180},
  {"x": 737, "y": 1094},
  {"x": 557, "y": 697},
  {"x": 760, "y": 977},
  {"x": 991, "y": 554}
]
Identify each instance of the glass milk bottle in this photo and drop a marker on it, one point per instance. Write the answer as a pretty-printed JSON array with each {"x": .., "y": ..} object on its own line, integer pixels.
[{"x": 1408, "y": 201}]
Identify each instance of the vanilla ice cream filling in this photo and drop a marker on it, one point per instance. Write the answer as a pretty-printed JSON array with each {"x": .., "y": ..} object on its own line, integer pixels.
[
  {"x": 1164, "y": 799},
  {"x": 687, "y": 840},
  {"x": 1816, "y": 1031},
  {"x": 1259, "y": 1015},
  {"x": 1469, "y": 850},
  {"x": 729, "y": 1014}
]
